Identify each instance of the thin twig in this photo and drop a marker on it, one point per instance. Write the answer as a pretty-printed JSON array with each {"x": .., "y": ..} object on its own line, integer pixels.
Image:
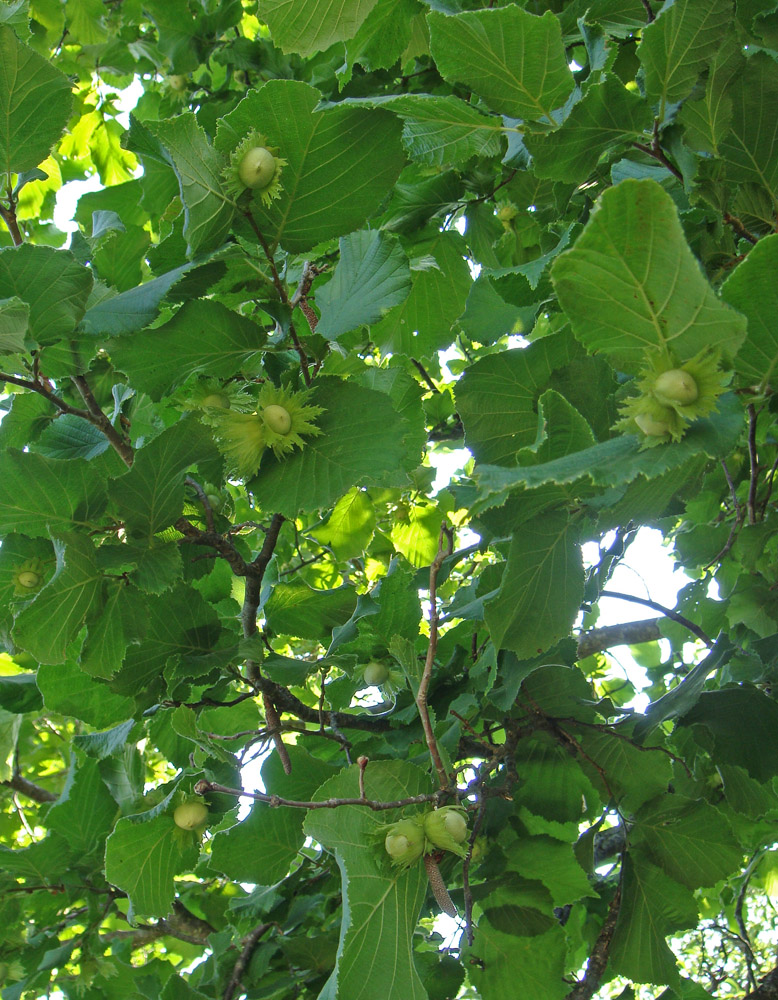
[
  {"x": 667, "y": 612},
  {"x": 28, "y": 788},
  {"x": 363, "y": 762},
  {"x": 8, "y": 215},
  {"x": 255, "y": 572},
  {"x": 421, "y": 695},
  {"x": 739, "y": 228},
  {"x": 595, "y": 967},
  {"x": 649, "y": 13},
  {"x": 100, "y": 420},
  {"x": 275, "y": 801},
  {"x": 249, "y": 944},
  {"x": 425, "y": 375},
  {"x": 203, "y": 498}
]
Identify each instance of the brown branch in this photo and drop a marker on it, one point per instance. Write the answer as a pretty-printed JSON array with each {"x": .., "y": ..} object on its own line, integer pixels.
[
  {"x": 100, "y": 420},
  {"x": 8, "y": 215},
  {"x": 767, "y": 988},
  {"x": 425, "y": 375},
  {"x": 667, "y": 612},
  {"x": 627, "y": 634},
  {"x": 649, "y": 13},
  {"x": 280, "y": 287},
  {"x": 249, "y": 943},
  {"x": 28, "y": 788},
  {"x": 424, "y": 683},
  {"x": 275, "y": 801},
  {"x": 42, "y": 390},
  {"x": 255, "y": 572},
  {"x": 203, "y": 498},
  {"x": 182, "y": 925},
  {"x": 595, "y": 967},
  {"x": 739, "y": 228},
  {"x": 224, "y": 547}
]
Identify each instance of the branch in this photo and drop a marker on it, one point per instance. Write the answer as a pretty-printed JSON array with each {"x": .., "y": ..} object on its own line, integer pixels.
[
  {"x": 767, "y": 988},
  {"x": 627, "y": 634},
  {"x": 667, "y": 612},
  {"x": 274, "y": 801},
  {"x": 212, "y": 539},
  {"x": 96, "y": 417},
  {"x": 753, "y": 462},
  {"x": 8, "y": 215},
  {"x": 249, "y": 943},
  {"x": 32, "y": 791},
  {"x": 42, "y": 390},
  {"x": 182, "y": 925},
  {"x": 598, "y": 959},
  {"x": 421, "y": 694},
  {"x": 255, "y": 571}
]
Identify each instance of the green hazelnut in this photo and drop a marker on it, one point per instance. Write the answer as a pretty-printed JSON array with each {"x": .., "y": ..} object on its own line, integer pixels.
[
  {"x": 29, "y": 579},
  {"x": 190, "y": 815},
  {"x": 446, "y": 828},
  {"x": 376, "y": 673},
  {"x": 257, "y": 168},
  {"x": 217, "y": 399},
  {"x": 650, "y": 426},
  {"x": 277, "y": 418},
  {"x": 676, "y": 386},
  {"x": 404, "y": 842}
]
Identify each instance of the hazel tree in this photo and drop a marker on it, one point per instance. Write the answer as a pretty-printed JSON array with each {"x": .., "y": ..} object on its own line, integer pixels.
[{"x": 275, "y": 691}]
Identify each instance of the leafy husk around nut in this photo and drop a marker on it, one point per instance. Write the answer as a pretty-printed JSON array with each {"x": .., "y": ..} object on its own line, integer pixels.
[
  {"x": 404, "y": 841},
  {"x": 28, "y": 577},
  {"x": 671, "y": 395},
  {"x": 446, "y": 829},
  {"x": 300, "y": 413},
  {"x": 254, "y": 167}
]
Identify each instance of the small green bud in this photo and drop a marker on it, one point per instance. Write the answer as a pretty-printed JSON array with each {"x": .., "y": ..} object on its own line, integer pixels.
[
  {"x": 404, "y": 842},
  {"x": 446, "y": 828}
]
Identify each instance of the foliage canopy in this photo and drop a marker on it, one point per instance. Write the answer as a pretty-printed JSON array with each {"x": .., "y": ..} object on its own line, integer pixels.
[{"x": 544, "y": 231}]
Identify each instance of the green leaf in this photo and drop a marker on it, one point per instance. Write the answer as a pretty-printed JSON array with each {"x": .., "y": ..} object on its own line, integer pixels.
[
  {"x": 85, "y": 811},
  {"x": 132, "y": 310},
  {"x": 672, "y": 834},
  {"x": 182, "y": 632},
  {"x": 361, "y": 443},
  {"x": 487, "y": 315},
  {"x": 631, "y": 285},
  {"x": 676, "y": 46},
  {"x": 380, "y": 904},
  {"x": 442, "y": 131},
  {"x": 707, "y": 120},
  {"x": 621, "y": 460},
  {"x": 497, "y": 397},
  {"x": 341, "y": 161},
  {"x": 52, "y": 283},
  {"x": 70, "y": 691},
  {"x": 205, "y": 337},
  {"x": 350, "y": 525},
  {"x": 515, "y": 60},
  {"x": 35, "y": 102},
  {"x": 14, "y": 320},
  {"x": 208, "y": 211},
  {"x": 46, "y": 626},
  {"x": 151, "y": 495},
  {"x": 608, "y": 117},
  {"x": 383, "y": 37},
  {"x": 752, "y": 290},
  {"x": 122, "y": 607},
  {"x": 553, "y": 863},
  {"x": 500, "y": 964},
  {"x": 372, "y": 275},
  {"x": 9, "y": 733},
  {"x": 296, "y": 609},
  {"x": 728, "y": 715},
  {"x": 748, "y": 149},
  {"x": 422, "y": 324},
  {"x": 143, "y": 858},
  {"x": 634, "y": 774},
  {"x": 308, "y": 26},
  {"x": 70, "y": 436},
  {"x": 262, "y": 846},
  {"x": 652, "y": 906},
  {"x": 541, "y": 589}
]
